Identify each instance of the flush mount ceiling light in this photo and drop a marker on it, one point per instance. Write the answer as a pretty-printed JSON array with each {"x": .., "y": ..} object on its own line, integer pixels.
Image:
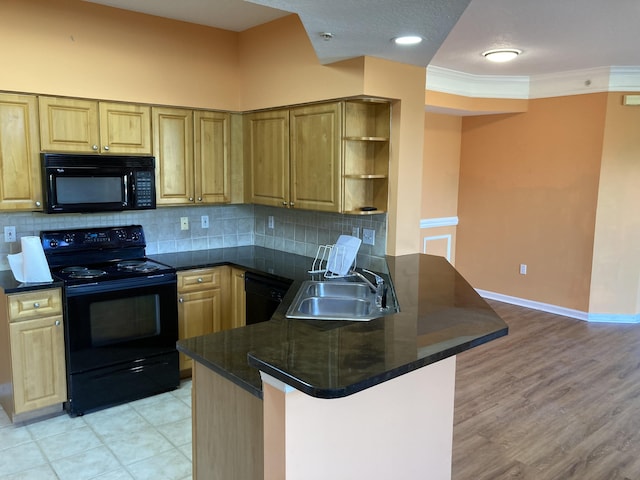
[
  {"x": 501, "y": 54},
  {"x": 407, "y": 40}
]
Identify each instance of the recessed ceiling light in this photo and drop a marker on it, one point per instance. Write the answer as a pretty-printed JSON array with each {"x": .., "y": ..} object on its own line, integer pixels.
[
  {"x": 407, "y": 40},
  {"x": 501, "y": 54}
]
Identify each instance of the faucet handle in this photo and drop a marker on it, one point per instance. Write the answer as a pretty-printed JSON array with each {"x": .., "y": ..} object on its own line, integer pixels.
[{"x": 379, "y": 279}]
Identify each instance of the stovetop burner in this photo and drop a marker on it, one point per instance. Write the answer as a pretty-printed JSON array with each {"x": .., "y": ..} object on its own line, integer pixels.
[
  {"x": 83, "y": 272},
  {"x": 143, "y": 266}
]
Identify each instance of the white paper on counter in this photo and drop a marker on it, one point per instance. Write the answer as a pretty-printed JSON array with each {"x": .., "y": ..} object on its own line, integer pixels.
[{"x": 30, "y": 265}]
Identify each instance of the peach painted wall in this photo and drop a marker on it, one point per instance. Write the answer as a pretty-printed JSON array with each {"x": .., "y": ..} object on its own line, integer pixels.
[
  {"x": 441, "y": 171},
  {"x": 278, "y": 66},
  {"x": 80, "y": 49},
  {"x": 440, "y": 176},
  {"x": 528, "y": 194},
  {"x": 615, "y": 282},
  {"x": 413, "y": 440}
]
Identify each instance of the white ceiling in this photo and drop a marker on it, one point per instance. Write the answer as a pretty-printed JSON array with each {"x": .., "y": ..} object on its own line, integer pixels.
[{"x": 555, "y": 35}]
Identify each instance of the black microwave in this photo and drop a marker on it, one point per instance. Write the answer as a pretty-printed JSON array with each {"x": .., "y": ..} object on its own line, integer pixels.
[{"x": 91, "y": 183}]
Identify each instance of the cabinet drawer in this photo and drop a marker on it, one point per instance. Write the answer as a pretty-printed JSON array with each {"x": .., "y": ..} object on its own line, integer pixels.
[
  {"x": 200, "y": 279},
  {"x": 41, "y": 303}
]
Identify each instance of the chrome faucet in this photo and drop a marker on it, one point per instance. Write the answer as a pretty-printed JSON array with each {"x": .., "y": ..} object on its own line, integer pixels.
[{"x": 380, "y": 288}]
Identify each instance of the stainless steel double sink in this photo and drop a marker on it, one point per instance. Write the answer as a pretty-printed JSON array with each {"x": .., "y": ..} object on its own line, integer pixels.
[{"x": 337, "y": 300}]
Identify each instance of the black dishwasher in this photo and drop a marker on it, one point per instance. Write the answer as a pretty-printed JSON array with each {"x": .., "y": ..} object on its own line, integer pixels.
[{"x": 264, "y": 294}]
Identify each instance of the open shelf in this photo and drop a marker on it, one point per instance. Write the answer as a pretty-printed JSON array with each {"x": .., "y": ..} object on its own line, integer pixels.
[{"x": 365, "y": 170}]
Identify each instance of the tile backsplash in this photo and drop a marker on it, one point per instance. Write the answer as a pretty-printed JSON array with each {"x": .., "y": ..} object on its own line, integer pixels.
[{"x": 295, "y": 231}]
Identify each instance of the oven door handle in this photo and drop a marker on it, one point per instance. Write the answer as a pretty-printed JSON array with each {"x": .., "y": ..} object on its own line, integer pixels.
[{"x": 121, "y": 284}]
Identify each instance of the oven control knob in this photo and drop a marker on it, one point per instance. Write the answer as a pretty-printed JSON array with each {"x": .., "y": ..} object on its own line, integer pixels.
[
  {"x": 53, "y": 243},
  {"x": 121, "y": 234},
  {"x": 68, "y": 238},
  {"x": 135, "y": 236}
]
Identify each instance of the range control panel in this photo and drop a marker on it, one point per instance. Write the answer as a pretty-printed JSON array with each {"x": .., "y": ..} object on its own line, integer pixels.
[{"x": 54, "y": 241}]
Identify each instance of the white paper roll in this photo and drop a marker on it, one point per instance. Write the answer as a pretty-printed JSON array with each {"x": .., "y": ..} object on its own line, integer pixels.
[{"x": 30, "y": 265}]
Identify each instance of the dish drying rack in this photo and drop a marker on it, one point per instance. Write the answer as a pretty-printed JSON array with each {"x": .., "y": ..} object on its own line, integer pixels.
[{"x": 321, "y": 261}]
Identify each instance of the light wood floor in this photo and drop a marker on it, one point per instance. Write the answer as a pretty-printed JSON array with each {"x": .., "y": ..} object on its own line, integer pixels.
[{"x": 556, "y": 399}]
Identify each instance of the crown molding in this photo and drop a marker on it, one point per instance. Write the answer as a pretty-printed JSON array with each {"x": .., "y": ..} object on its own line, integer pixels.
[
  {"x": 575, "y": 82},
  {"x": 479, "y": 86}
]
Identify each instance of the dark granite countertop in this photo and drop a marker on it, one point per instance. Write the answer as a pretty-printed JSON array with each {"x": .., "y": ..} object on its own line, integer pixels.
[
  {"x": 9, "y": 284},
  {"x": 440, "y": 316}
]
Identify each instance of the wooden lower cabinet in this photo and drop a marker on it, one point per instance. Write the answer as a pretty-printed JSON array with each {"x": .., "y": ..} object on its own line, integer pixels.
[
  {"x": 209, "y": 300},
  {"x": 33, "y": 372},
  {"x": 237, "y": 300},
  {"x": 200, "y": 305}
]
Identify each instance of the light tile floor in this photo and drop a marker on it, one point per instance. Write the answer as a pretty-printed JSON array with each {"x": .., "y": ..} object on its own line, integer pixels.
[{"x": 145, "y": 439}]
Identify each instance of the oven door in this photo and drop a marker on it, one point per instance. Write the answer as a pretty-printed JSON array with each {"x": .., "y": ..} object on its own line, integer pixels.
[{"x": 118, "y": 321}]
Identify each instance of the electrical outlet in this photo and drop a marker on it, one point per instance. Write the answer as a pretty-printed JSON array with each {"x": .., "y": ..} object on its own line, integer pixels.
[
  {"x": 523, "y": 269},
  {"x": 368, "y": 236},
  {"x": 355, "y": 232},
  {"x": 184, "y": 223},
  {"x": 9, "y": 234},
  {"x": 271, "y": 222},
  {"x": 204, "y": 221}
]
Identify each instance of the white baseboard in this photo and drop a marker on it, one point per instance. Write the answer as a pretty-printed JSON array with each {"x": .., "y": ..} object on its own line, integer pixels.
[{"x": 566, "y": 312}]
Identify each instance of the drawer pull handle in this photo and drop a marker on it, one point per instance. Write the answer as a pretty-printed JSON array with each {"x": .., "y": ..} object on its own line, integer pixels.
[
  {"x": 181, "y": 300},
  {"x": 36, "y": 305},
  {"x": 200, "y": 280},
  {"x": 57, "y": 323}
]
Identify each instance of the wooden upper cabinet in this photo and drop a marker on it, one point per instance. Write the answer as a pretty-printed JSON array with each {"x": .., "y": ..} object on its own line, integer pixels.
[
  {"x": 266, "y": 136},
  {"x": 125, "y": 128},
  {"x": 315, "y": 138},
  {"x": 211, "y": 157},
  {"x": 88, "y": 126},
  {"x": 192, "y": 156},
  {"x": 20, "y": 177},
  {"x": 173, "y": 149}
]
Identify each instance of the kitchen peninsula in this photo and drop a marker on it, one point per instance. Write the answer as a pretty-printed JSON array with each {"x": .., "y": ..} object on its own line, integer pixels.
[{"x": 307, "y": 399}]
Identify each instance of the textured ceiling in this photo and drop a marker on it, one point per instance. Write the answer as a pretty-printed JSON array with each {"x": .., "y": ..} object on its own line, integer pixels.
[{"x": 555, "y": 35}]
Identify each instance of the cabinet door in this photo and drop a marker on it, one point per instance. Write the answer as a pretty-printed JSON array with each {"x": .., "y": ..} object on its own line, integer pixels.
[
  {"x": 267, "y": 148},
  {"x": 125, "y": 128},
  {"x": 199, "y": 313},
  {"x": 20, "y": 181},
  {"x": 37, "y": 358},
  {"x": 69, "y": 125},
  {"x": 212, "y": 170},
  {"x": 315, "y": 157},
  {"x": 237, "y": 299},
  {"x": 173, "y": 149}
]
